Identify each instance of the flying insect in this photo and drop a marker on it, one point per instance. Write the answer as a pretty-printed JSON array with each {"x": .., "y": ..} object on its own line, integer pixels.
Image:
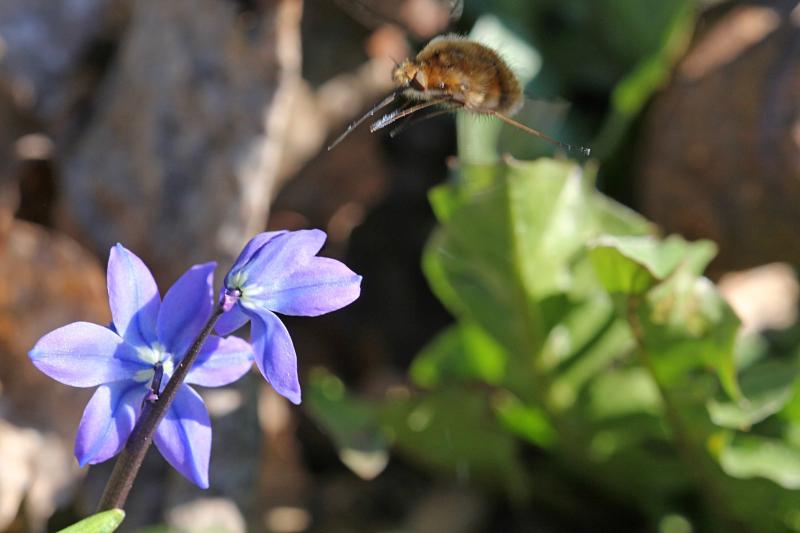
[{"x": 453, "y": 73}]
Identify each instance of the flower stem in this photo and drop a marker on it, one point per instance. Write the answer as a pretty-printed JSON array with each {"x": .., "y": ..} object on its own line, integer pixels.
[{"x": 130, "y": 459}]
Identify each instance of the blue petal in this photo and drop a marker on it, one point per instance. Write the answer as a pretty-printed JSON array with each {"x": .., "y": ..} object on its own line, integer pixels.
[
  {"x": 133, "y": 297},
  {"x": 107, "y": 421},
  {"x": 321, "y": 286},
  {"x": 221, "y": 361},
  {"x": 253, "y": 246},
  {"x": 82, "y": 354},
  {"x": 184, "y": 436},
  {"x": 186, "y": 308},
  {"x": 284, "y": 253},
  {"x": 231, "y": 321},
  {"x": 275, "y": 355}
]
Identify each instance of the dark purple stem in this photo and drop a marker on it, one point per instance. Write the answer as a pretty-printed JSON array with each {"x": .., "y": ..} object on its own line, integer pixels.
[{"x": 131, "y": 457}]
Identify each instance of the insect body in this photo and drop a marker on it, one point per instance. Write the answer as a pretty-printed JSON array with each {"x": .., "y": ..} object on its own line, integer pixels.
[
  {"x": 462, "y": 71},
  {"x": 453, "y": 73}
]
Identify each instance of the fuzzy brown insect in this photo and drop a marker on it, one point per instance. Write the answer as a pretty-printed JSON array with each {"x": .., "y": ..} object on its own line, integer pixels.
[{"x": 451, "y": 73}]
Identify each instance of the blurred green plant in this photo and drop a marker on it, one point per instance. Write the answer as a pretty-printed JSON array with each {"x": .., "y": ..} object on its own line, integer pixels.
[
  {"x": 591, "y": 365},
  {"x": 581, "y": 334}
]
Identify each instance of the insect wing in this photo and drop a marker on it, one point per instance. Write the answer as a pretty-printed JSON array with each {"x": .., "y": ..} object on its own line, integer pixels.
[
  {"x": 456, "y": 8},
  {"x": 373, "y": 13}
]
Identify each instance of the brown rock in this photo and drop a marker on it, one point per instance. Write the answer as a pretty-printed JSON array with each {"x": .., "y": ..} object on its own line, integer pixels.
[
  {"x": 42, "y": 45},
  {"x": 46, "y": 281},
  {"x": 721, "y": 144},
  {"x": 180, "y": 158}
]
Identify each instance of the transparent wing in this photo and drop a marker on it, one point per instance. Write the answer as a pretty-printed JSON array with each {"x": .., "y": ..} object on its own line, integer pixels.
[
  {"x": 409, "y": 14},
  {"x": 456, "y": 8}
]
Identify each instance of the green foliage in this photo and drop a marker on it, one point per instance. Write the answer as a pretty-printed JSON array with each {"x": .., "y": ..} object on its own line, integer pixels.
[
  {"x": 582, "y": 334},
  {"x": 104, "y": 522},
  {"x": 351, "y": 423}
]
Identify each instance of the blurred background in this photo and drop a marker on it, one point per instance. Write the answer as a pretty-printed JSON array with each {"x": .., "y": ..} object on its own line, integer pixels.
[{"x": 183, "y": 128}]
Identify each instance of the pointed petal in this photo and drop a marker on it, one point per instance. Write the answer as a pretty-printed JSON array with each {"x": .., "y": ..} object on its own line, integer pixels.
[
  {"x": 231, "y": 321},
  {"x": 186, "y": 308},
  {"x": 184, "y": 436},
  {"x": 253, "y": 245},
  {"x": 107, "y": 421},
  {"x": 275, "y": 355},
  {"x": 133, "y": 297},
  {"x": 284, "y": 253},
  {"x": 82, "y": 354},
  {"x": 221, "y": 361},
  {"x": 320, "y": 287}
]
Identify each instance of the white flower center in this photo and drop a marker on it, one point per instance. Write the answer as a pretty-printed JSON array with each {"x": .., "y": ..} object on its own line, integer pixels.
[
  {"x": 153, "y": 355},
  {"x": 247, "y": 293}
]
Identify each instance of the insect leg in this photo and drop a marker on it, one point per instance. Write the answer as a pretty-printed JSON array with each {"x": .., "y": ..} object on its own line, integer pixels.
[
  {"x": 397, "y": 115},
  {"x": 582, "y": 149},
  {"x": 416, "y": 120},
  {"x": 380, "y": 105}
]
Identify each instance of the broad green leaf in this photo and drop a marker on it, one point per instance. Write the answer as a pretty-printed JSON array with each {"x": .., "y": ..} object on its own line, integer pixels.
[
  {"x": 461, "y": 353},
  {"x": 613, "y": 218},
  {"x": 453, "y": 430},
  {"x": 526, "y": 421},
  {"x": 686, "y": 324},
  {"x": 634, "y": 264},
  {"x": 753, "y": 456},
  {"x": 508, "y": 244},
  {"x": 351, "y": 422},
  {"x": 766, "y": 389},
  {"x": 623, "y": 392},
  {"x": 579, "y": 324},
  {"x": 104, "y": 522},
  {"x": 551, "y": 219},
  {"x": 611, "y": 344}
]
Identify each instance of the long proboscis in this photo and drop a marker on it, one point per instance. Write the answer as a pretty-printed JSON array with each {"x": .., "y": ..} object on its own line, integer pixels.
[
  {"x": 570, "y": 147},
  {"x": 380, "y": 105}
]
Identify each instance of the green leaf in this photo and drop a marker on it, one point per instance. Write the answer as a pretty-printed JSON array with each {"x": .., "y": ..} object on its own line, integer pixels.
[
  {"x": 753, "y": 456},
  {"x": 507, "y": 244},
  {"x": 610, "y": 345},
  {"x": 686, "y": 324},
  {"x": 622, "y": 392},
  {"x": 351, "y": 422},
  {"x": 613, "y": 218},
  {"x": 551, "y": 220},
  {"x": 104, "y": 522},
  {"x": 453, "y": 430},
  {"x": 766, "y": 390},
  {"x": 634, "y": 264},
  {"x": 528, "y": 422},
  {"x": 461, "y": 353}
]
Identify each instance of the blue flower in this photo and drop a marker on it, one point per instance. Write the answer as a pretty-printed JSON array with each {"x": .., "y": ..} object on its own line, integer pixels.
[
  {"x": 279, "y": 272},
  {"x": 148, "y": 339}
]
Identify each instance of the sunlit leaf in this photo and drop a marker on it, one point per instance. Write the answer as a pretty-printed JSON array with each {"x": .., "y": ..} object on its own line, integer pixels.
[
  {"x": 622, "y": 392},
  {"x": 104, "y": 522},
  {"x": 634, "y": 264},
  {"x": 752, "y": 456},
  {"x": 766, "y": 389},
  {"x": 686, "y": 324},
  {"x": 528, "y": 422},
  {"x": 460, "y": 353}
]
